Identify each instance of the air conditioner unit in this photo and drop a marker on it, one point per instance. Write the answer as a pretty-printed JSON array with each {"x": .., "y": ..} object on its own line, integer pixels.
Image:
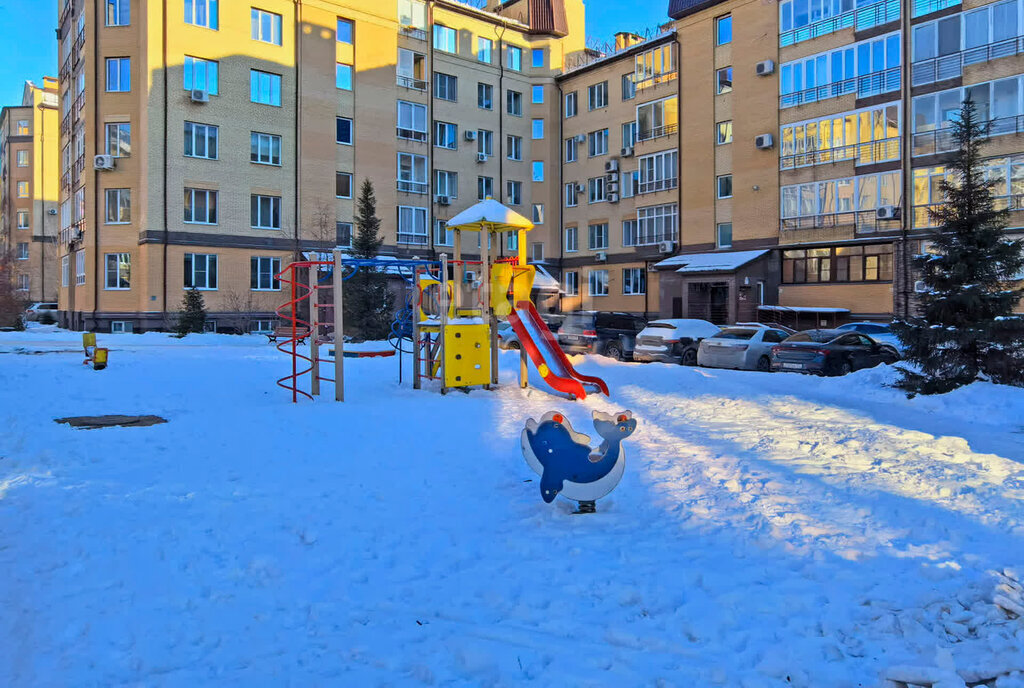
[
  {"x": 470, "y": 135},
  {"x": 887, "y": 212},
  {"x": 51, "y": 211},
  {"x": 481, "y": 157},
  {"x": 580, "y": 188},
  {"x": 613, "y": 198},
  {"x": 103, "y": 162},
  {"x": 443, "y": 200},
  {"x": 611, "y": 177},
  {"x": 612, "y": 187},
  {"x": 764, "y": 141},
  {"x": 611, "y": 166},
  {"x": 920, "y": 287},
  {"x": 601, "y": 256},
  {"x": 200, "y": 95},
  {"x": 765, "y": 67},
  {"x": 627, "y": 152},
  {"x": 580, "y": 138},
  {"x": 666, "y": 246}
]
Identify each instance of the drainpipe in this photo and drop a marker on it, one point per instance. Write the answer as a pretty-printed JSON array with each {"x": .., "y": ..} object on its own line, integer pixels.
[
  {"x": 166, "y": 237},
  {"x": 431, "y": 216},
  {"x": 560, "y": 195},
  {"x": 298, "y": 124},
  {"x": 42, "y": 177},
  {"x": 902, "y": 284},
  {"x": 501, "y": 121},
  {"x": 99, "y": 137}
]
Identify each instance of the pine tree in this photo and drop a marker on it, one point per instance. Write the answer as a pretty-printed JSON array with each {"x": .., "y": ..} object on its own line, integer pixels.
[
  {"x": 966, "y": 329},
  {"x": 368, "y": 301},
  {"x": 193, "y": 313}
]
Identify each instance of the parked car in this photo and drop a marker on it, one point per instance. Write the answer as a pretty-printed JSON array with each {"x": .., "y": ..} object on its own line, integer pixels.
[
  {"x": 598, "y": 332},
  {"x": 672, "y": 340},
  {"x": 36, "y": 309},
  {"x": 743, "y": 348},
  {"x": 829, "y": 352},
  {"x": 880, "y": 332},
  {"x": 507, "y": 337},
  {"x": 767, "y": 326}
]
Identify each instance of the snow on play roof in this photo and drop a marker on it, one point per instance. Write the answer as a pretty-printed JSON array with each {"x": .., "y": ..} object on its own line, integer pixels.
[
  {"x": 711, "y": 262},
  {"x": 489, "y": 216},
  {"x": 543, "y": 280},
  {"x": 802, "y": 309}
]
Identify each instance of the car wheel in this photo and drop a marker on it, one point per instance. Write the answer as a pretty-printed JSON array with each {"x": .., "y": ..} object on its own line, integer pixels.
[
  {"x": 689, "y": 357},
  {"x": 844, "y": 368},
  {"x": 890, "y": 355},
  {"x": 613, "y": 350},
  {"x": 764, "y": 364}
]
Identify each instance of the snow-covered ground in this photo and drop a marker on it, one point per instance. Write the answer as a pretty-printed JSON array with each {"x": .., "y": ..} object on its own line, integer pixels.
[{"x": 770, "y": 530}]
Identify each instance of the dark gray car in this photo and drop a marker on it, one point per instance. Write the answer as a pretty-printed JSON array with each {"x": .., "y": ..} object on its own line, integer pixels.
[{"x": 599, "y": 332}]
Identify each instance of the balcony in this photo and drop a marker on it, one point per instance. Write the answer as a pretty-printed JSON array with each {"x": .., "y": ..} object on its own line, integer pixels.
[
  {"x": 656, "y": 132},
  {"x": 411, "y": 134},
  {"x": 65, "y": 70},
  {"x": 408, "y": 186},
  {"x": 65, "y": 125},
  {"x": 951, "y": 66},
  {"x": 923, "y": 218},
  {"x": 412, "y": 82},
  {"x": 941, "y": 140},
  {"x": 413, "y": 32},
  {"x": 653, "y": 80},
  {"x": 653, "y": 186},
  {"x": 77, "y": 107},
  {"x": 923, "y": 7},
  {"x": 867, "y": 153},
  {"x": 860, "y": 19},
  {"x": 864, "y": 86},
  {"x": 864, "y": 221}
]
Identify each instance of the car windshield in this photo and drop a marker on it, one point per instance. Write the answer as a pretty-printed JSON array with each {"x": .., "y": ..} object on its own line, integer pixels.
[
  {"x": 820, "y": 336},
  {"x": 735, "y": 334},
  {"x": 662, "y": 325},
  {"x": 583, "y": 321}
]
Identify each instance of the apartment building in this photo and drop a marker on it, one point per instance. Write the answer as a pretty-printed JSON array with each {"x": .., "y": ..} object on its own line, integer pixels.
[
  {"x": 28, "y": 189},
  {"x": 204, "y": 143}
]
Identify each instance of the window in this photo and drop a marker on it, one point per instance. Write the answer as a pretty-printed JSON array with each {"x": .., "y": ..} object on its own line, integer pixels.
[
  {"x": 264, "y": 87},
  {"x": 629, "y": 134},
  {"x": 119, "y": 139},
  {"x": 835, "y": 202},
  {"x": 724, "y": 183},
  {"x": 513, "y": 192},
  {"x": 998, "y": 101},
  {"x": 201, "y": 74},
  {"x": 484, "y": 188},
  {"x": 656, "y": 223},
  {"x": 571, "y": 283},
  {"x": 262, "y": 271},
  {"x": 865, "y": 136},
  {"x": 118, "y": 271},
  {"x": 597, "y": 96},
  {"x": 514, "y": 103},
  {"x": 628, "y": 87},
  {"x": 80, "y": 267},
  {"x": 658, "y": 172},
  {"x": 200, "y": 141},
  {"x": 22, "y": 128},
  {"x": 724, "y": 132},
  {"x": 343, "y": 234},
  {"x": 343, "y": 76},
  {"x": 412, "y": 225},
  {"x": 570, "y": 195},
  {"x": 538, "y": 213},
  {"x": 412, "y": 121},
  {"x": 22, "y": 190},
  {"x": 265, "y": 212},
  {"x": 596, "y": 189},
  {"x": 536, "y": 251},
  {"x": 442, "y": 235},
  {"x": 597, "y": 236},
  {"x": 485, "y": 142},
  {"x": 723, "y": 235},
  {"x": 266, "y": 26},
  {"x": 23, "y": 218},
  {"x": 444, "y": 38},
  {"x": 629, "y": 230},
  {"x": 413, "y": 14},
  {"x": 514, "y": 147},
  {"x": 537, "y": 171},
  {"x": 865, "y": 263},
  {"x": 446, "y": 135},
  {"x": 572, "y": 149},
  {"x": 537, "y": 58},
  {"x": 634, "y": 281},
  {"x": 343, "y": 130},
  {"x": 22, "y": 251},
  {"x": 265, "y": 149},
  {"x": 446, "y": 184},
  {"x": 345, "y": 32},
  {"x": 22, "y": 158},
  {"x": 484, "y": 48},
  {"x": 65, "y": 270},
  {"x": 657, "y": 119},
  {"x": 867, "y": 68},
  {"x": 723, "y": 29},
  {"x": 118, "y": 12},
  {"x": 801, "y": 21},
  {"x": 201, "y": 13},
  {"x": 201, "y": 270},
  {"x": 537, "y": 130},
  {"x": 119, "y": 206},
  {"x": 537, "y": 95},
  {"x": 446, "y": 87},
  {"x": 515, "y": 58},
  {"x": 411, "y": 69},
  {"x": 597, "y": 282},
  {"x": 343, "y": 184},
  {"x": 597, "y": 143},
  {"x": 412, "y": 173},
  {"x": 259, "y": 326},
  {"x": 571, "y": 105},
  {"x": 200, "y": 206},
  {"x": 23, "y": 283},
  {"x": 655, "y": 66},
  {"x": 723, "y": 80},
  {"x": 119, "y": 78},
  {"x": 572, "y": 239},
  {"x": 485, "y": 96}
]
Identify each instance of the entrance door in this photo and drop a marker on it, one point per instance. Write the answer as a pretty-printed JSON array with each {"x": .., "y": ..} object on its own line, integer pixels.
[
  {"x": 709, "y": 301},
  {"x": 677, "y": 306}
]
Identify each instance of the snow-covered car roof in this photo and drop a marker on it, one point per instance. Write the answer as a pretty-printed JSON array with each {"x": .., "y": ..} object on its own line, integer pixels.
[{"x": 688, "y": 327}]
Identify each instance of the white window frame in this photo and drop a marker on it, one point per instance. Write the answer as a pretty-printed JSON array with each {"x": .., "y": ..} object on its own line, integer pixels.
[
  {"x": 21, "y": 158},
  {"x": 117, "y": 12},
  {"x": 351, "y": 184},
  {"x": 119, "y": 201},
  {"x": 117, "y": 139},
  {"x": 262, "y": 89},
  {"x": 22, "y": 251},
  {"x": 571, "y": 104},
  {"x": 634, "y": 281},
  {"x": 597, "y": 190},
  {"x": 718, "y": 235},
  {"x": 65, "y": 270},
  {"x": 446, "y": 183},
  {"x": 23, "y": 219},
  {"x": 572, "y": 239},
  {"x": 597, "y": 143},
  {"x": 514, "y": 98},
  {"x": 718, "y": 186},
  {"x": 414, "y": 115},
  {"x": 266, "y": 27},
  {"x": 572, "y": 149},
  {"x": 415, "y": 179},
  {"x": 202, "y": 13},
  {"x": 122, "y": 262},
  {"x": 264, "y": 145},
  {"x": 194, "y": 131},
  {"x": 513, "y": 192},
  {"x": 446, "y": 135},
  {"x": 208, "y": 259},
  {"x": 209, "y": 70},
  {"x": 484, "y": 50},
  {"x": 79, "y": 267},
  {"x": 120, "y": 80},
  {"x": 262, "y": 210},
  {"x": 658, "y": 172},
  {"x": 446, "y": 39},
  {"x": 442, "y": 235},
  {"x": 351, "y": 131},
  {"x": 657, "y": 223},
  {"x": 191, "y": 194},
  {"x": 537, "y": 171},
  {"x": 340, "y": 228},
  {"x": 571, "y": 198},
  {"x": 537, "y": 129},
  {"x": 597, "y": 236},
  {"x": 418, "y": 236},
  {"x": 261, "y": 272},
  {"x": 597, "y": 282},
  {"x": 514, "y": 58},
  {"x": 571, "y": 283},
  {"x": 513, "y": 147},
  {"x": 537, "y": 210},
  {"x": 597, "y": 96},
  {"x": 484, "y": 96}
]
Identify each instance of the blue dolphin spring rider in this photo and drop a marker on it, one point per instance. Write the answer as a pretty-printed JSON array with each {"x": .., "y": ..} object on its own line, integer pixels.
[{"x": 565, "y": 461}]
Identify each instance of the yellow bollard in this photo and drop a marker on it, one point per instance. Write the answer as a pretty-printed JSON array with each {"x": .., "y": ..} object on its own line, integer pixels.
[{"x": 99, "y": 359}]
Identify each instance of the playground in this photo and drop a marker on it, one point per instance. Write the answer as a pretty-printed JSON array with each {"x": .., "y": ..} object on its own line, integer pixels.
[{"x": 768, "y": 531}]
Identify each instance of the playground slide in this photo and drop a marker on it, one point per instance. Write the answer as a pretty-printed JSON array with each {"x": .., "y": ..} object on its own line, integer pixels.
[{"x": 543, "y": 349}]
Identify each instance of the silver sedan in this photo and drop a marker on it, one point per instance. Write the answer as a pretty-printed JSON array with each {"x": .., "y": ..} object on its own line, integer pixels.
[{"x": 743, "y": 348}]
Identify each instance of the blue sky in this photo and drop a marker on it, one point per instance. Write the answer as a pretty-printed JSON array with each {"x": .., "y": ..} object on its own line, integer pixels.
[{"x": 33, "y": 52}]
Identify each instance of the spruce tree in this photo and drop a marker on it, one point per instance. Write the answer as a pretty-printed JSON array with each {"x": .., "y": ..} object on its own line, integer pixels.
[
  {"x": 193, "y": 313},
  {"x": 966, "y": 329},
  {"x": 368, "y": 301}
]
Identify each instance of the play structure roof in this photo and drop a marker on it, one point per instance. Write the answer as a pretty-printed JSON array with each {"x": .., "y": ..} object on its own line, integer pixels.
[{"x": 489, "y": 216}]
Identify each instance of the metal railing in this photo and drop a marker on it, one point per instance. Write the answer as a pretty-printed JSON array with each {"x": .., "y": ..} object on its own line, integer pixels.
[
  {"x": 951, "y": 66},
  {"x": 656, "y": 132},
  {"x": 868, "y": 85},
  {"x": 413, "y": 32},
  {"x": 411, "y": 134},
  {"x": 657, "y": 185},
  {"x": 412, "y": 82},
  {"x": 864, "y": 221},
  {"x": 413, "y": 239},
  {"x": 941, "y": 140},
  {"x": 923, "y": 7},
  {"x": 413, "y": 187},
  {"x": 867, "y": 153},
  {"x": 923, "y": 218},
  {"x": 881, "y": 12},
  {"x": 654, "y": 80}
]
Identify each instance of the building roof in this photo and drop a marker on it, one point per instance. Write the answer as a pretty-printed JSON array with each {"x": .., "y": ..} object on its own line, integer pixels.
[
  {"x": 677, "y": 9},
  {"x": 716, "y": 261}
]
